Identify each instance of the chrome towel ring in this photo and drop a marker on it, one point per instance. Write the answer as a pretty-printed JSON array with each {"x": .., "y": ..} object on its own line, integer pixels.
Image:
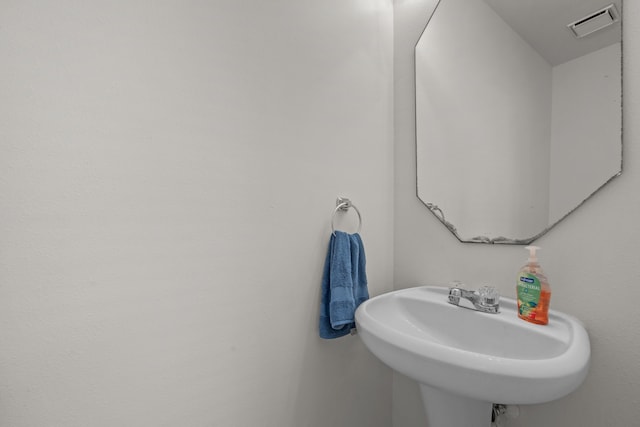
[{"x": 343, "y": 204}]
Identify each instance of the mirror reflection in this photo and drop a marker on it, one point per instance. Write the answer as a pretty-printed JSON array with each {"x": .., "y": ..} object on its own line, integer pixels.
[{"x": 518, "y": 115}]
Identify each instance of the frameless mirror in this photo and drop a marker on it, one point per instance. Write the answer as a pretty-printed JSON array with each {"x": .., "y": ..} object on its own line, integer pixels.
[{"x": 518, "y": 113}]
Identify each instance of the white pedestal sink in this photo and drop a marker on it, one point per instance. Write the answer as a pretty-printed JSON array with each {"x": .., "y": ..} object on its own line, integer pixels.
[{"x": 466, "y": 360}]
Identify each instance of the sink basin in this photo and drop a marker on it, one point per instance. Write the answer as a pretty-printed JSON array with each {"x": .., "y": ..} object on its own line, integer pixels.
[{"x": 477, "y": 358}]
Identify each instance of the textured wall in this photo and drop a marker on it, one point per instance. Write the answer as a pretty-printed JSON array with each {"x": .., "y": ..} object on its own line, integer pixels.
[
  {"x": 168, "y": 170},
  {"x": 591, "y": 258}
]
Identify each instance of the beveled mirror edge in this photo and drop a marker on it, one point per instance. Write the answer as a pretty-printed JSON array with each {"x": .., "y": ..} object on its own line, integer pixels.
[{"x": 505, "y": 240}]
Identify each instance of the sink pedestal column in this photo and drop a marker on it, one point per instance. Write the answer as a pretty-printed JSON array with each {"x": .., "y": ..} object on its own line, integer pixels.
[{"x": 449, "y": 410}]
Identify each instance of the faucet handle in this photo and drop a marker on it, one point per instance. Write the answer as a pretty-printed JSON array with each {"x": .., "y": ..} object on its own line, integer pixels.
[
  {"x": 489, "y": 296},
  {"x": 454, "y": 295},
  {"x": 455, "y": 291}
]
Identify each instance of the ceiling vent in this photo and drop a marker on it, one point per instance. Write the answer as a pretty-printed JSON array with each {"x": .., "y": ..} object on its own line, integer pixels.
[{"x": 595, "y": 21}]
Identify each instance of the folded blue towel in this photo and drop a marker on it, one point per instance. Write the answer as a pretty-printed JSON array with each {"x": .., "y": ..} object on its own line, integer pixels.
[{"x": 344, "y": 284}]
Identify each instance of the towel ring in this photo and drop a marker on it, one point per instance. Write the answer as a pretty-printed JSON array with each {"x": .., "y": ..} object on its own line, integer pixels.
[{"x": 343, "y": 204}]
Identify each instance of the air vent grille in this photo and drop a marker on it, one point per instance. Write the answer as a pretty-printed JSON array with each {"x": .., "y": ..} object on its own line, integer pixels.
[{"x": 595, "y": 21}]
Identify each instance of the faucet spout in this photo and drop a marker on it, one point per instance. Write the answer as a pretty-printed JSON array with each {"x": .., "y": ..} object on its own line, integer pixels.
[{"x": 486, "y": 299}]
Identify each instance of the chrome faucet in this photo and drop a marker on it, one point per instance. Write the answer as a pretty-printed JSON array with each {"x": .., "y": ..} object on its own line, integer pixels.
[{"x": 485, "y": 299}]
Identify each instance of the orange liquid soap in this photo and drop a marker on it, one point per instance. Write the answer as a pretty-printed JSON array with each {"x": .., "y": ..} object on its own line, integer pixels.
[{"x": 533, "y": 291}]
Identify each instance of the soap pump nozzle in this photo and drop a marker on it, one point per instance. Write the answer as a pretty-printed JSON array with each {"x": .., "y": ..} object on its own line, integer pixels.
[{"x": 532, "y": 253}]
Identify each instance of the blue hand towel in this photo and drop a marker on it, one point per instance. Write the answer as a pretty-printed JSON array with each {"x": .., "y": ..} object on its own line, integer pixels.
[
  {"x": 360, "y": 290},
  {"x": 344, "y": 284}
]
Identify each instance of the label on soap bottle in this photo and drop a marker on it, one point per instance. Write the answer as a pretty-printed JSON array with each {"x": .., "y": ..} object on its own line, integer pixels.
[{"x": 528, "y": 290}]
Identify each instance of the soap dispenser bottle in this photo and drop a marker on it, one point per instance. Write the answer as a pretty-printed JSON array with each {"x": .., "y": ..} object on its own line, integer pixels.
[{"x": 533, "y": 291}]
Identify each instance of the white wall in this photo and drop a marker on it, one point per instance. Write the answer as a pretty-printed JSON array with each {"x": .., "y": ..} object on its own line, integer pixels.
[
  {"x": 168, "y": 170},
  {"x": 591, "y": 258},
  {"x": 585, "y": 128},
  {"x": 474, "y": 65}
]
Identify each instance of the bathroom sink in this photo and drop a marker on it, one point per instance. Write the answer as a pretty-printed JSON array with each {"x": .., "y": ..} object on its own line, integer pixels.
[{"x": 481, "y": 357}]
